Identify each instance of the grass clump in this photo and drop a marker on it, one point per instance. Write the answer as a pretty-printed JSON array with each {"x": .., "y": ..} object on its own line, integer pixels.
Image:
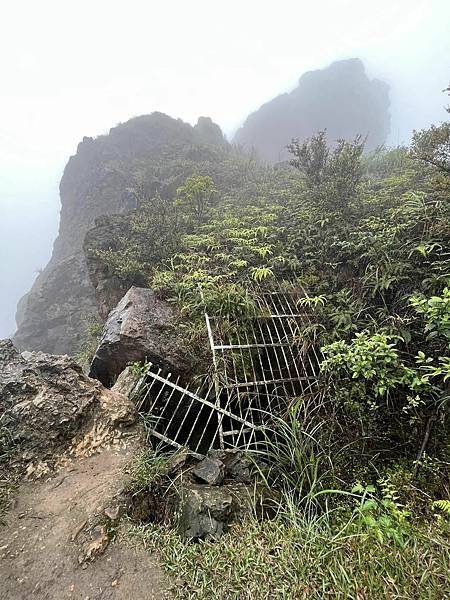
[
  {"x": 149, "y": 468},
  {"x": 88, "y": 347},
  {"x": 303, "y": 559}
]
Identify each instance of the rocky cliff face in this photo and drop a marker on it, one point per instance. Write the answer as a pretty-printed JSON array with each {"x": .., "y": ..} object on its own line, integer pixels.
[
  {"x": 339, "y": 98},
  {"x": 103, "y": 178}
]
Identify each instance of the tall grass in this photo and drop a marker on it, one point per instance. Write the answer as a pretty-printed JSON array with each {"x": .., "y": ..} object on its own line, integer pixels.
[
  {"x": 296, "y": 458},
  {"x": 308, "y": 559}
]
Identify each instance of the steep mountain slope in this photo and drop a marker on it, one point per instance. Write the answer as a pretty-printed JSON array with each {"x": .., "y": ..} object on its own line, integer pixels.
[
  {"x": 98, "y": 180},
  {"x": 340, "y": 98}
]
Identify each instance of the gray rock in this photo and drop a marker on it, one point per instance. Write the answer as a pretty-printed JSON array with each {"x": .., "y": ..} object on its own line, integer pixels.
[
  {"x": 48, "y": 405},
  {"x": 210, "y": 470},
  {"x": 141, "y": 327},
  {"x": 237, "y": 465},
  {"x": 49, "y": 318},
  {"x": 239, "y": 470},
  {"x": 206, "y": 511},
  {"x": 126, "y": 382}
]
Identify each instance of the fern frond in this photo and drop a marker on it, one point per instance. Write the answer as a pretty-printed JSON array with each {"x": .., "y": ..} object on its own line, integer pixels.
[{"x": 444, "y": 505}]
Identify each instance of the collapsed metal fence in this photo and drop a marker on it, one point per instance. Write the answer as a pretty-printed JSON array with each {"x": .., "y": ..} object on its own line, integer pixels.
[{"x": 257, "y": 369}]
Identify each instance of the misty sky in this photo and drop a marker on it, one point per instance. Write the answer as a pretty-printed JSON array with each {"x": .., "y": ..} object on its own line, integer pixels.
[{"x": 75, "y": 68}]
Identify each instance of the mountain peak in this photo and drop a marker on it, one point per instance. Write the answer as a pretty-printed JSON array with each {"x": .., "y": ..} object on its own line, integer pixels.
[{"x": 339, "y": 98}]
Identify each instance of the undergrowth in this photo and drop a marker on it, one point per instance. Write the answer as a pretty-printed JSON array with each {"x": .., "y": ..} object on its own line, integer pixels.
[
  {"x": 301, "y": 559},
  {"x": 148, "y": 468},
  {"x": 360, "y": 463}
]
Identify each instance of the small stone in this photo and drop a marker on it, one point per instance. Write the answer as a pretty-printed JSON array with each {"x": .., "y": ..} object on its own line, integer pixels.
[
  {"x": 240, "y": 470},
  {"x": 113, "y": 513},
  {"x": 98, "y": 545},
  {"x": 210, "y": 470}
]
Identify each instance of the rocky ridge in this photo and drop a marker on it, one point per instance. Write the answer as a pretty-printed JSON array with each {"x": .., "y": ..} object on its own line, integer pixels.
[
  {"x": 340, "y": 98},
  {"x": 102, "y": 178}
]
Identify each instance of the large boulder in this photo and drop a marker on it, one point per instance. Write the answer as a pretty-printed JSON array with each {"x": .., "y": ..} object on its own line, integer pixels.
[
  {"x": 50, "y": 409},
  {"x": 141, "y": 327}
]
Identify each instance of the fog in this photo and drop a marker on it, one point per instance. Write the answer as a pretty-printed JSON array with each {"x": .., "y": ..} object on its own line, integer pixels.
[{"x": 75, "y": 69}]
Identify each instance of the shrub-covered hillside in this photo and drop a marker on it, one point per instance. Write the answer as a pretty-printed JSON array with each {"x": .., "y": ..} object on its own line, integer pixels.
[
  {"x": 362, "y": 240},
  {"x": 366, "y": 240}
]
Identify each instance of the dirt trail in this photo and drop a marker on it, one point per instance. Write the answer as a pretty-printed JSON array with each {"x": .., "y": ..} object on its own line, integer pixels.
[{"x": 39, "y": 559}]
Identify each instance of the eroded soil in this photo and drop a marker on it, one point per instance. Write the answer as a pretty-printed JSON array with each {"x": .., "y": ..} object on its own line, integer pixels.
[{"x": 47, "y": 532}]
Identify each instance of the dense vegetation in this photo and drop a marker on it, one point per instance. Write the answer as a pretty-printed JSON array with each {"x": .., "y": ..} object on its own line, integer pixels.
[{"x": 365, "y": 239}]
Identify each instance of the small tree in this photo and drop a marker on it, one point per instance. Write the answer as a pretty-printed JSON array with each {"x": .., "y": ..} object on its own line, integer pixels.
[
  {"x": 196, "y": 194},
  {"x": 331, "y": 175},
  {"x": 310, "y": 157},
  {"x": 432, "y": 146}
]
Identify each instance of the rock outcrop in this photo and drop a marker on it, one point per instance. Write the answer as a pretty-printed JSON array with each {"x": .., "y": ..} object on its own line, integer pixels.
[
  {"x": 55, "y": 314},
  {"x": 340, "y": 99},
  {"x": 141, "y": 327},
  {"x": 103, "y": 178},
  {"x": 49, "y": 408},
  {"x": 106, "y": 286}
]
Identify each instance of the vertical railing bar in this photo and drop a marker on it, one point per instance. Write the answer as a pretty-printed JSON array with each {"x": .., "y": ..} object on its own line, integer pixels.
[
  {"x": 269, "y": 359},
  {"x": 285, "y": 333},
  {"x": 143, "y": 383},
  {"x": 198, "y": 415},
  {"x": 313, "y": 345},
  {"x": 289, "y": 307},
  {"x": 211, "y": 412},
  {"x": 148, "y": 387},
  {"x": 267, "y": 325},
  {"x": 241, "y": 399},
  {"x": 296, "y": 320},
  {"x": 215, "y": 377},
  {"x": 255, "y": 374},
  {"x": 313, "y": 348},
  {"x": 167, "y": 404},
  {"x": 187, "y": 411},
  {"x": 238, "y": 393},
  {"x": 163, "y": 388},
  {"x": 278, "y": 323},
  {"x": 241, "y": 354},
  {"x": 248, "y": 395},
  {"x": 151, "y": 385}
]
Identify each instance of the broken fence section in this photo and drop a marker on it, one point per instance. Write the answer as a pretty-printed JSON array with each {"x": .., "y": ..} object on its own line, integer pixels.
[{"x": 258, "y": 368}]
